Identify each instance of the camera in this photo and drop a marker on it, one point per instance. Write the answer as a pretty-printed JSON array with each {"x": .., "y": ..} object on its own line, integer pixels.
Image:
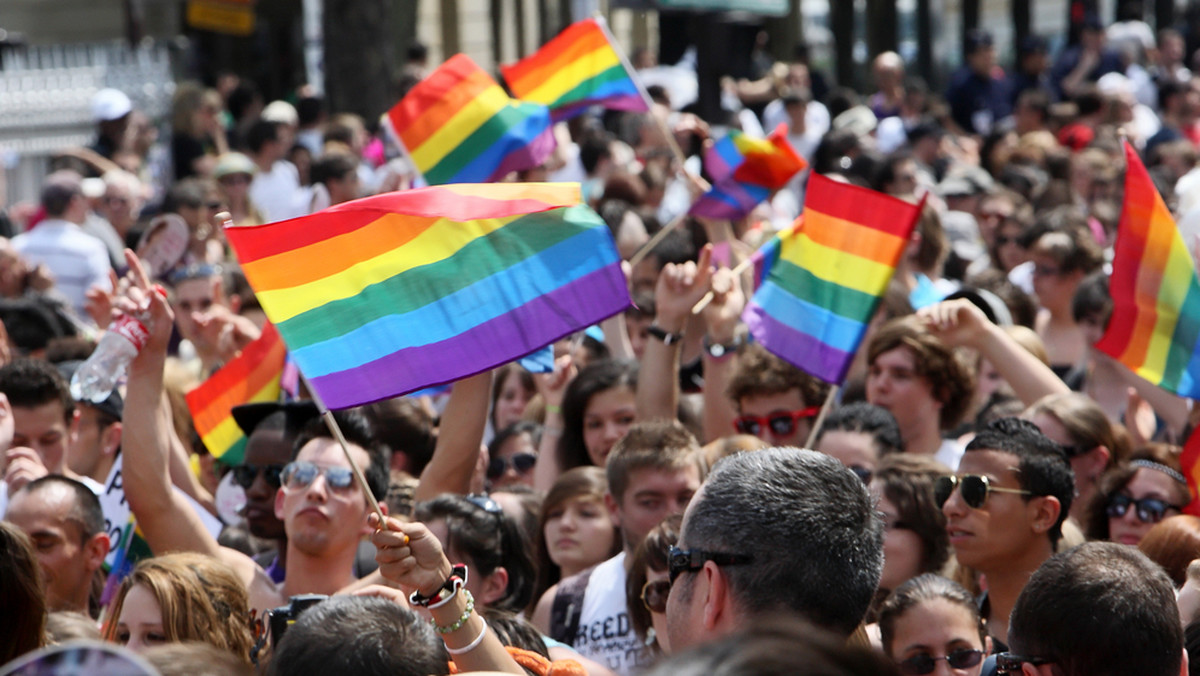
[{"x": 275, "y": 623}]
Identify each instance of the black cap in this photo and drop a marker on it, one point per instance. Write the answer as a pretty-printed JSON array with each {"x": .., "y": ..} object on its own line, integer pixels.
[
  {"x": 113, "y": 406},
  {"x": 976, "y": 40},
  {"x": 248, "y": 416}
]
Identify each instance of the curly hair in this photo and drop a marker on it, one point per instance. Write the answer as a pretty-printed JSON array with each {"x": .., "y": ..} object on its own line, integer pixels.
[
  {"x": 201, "y": 599},
  {"x": 946, "y": 370},
  {"x": 761, "y": 373}
]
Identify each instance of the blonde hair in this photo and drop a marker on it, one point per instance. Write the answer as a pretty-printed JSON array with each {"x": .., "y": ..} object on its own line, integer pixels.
[{"x": 201, "y": 600}]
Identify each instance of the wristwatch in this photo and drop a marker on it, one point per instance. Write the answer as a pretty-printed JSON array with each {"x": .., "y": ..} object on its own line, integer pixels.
[
  {"x": 721, "y": 350},
  {"x": 662, "y": 334}
]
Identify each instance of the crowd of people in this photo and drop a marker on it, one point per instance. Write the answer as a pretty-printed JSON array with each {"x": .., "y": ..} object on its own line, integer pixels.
[{"x": 986, "y": 493}]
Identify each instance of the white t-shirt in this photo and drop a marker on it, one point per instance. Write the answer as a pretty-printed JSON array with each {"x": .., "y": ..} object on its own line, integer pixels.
[
  {"x": 606, "y": 634},
  {"x": 278, "y": 194}
]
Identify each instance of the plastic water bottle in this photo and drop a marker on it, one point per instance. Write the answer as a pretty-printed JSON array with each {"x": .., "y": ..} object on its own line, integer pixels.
[{"x": 96, "y": 378}]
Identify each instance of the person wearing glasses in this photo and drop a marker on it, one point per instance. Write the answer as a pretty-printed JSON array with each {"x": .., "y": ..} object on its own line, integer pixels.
[
  {"x": 774, "y": 400},
  {"x": 781, "y": 530},
  {"x": 1100, "y": 609},
  {"x": 1131, "y": 498},
  {"x": 271, "y": 430},
  {"x": 930, "y": 620},
  {"x": 649, "y": 585},
  {"x": 1005, "y": 509},
  {"x": 859, "y": 435}
]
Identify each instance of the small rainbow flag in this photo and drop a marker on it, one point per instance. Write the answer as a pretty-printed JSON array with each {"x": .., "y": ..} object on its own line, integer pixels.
[
  {"x": 250, "y": 377},
  {"x": 1189, "y": 460},
  {"x": 819, "y": 282},
  {"x": 744, "y": 171},
  {"x": 458, "y": 126},
  {"x": 1155, "y": 324},
  {"x": 393, "y": 293},
  {"x": 582, "y": 66}
]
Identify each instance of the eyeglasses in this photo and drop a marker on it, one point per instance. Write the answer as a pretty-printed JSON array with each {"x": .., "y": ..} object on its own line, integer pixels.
[
  {"x": 1148, "y": 510},
  {"x": 681, "y": 561},
  {"x": 654, "y": 595},
  {"x": 781, "y": 423},
  {"x": 862, "y": 473},
  {"x": 974, "y": 489},
  {"x": 298, "y": 475},
  {"x": 926, "y": 663},
  {"x": 244, "y": 475},
  {"x": 520, "y": 462},
  {"x": 1075, "y": 450},
  {"x": 1008, "y": 663}
]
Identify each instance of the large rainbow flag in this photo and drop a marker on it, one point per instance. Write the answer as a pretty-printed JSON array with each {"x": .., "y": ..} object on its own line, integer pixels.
[
  {"x": 458, "y": 126},
  {"x": 393, "y": 293},
  {"x": 250, "y": 377},
  {"x": 744, "y": 170},
  {"x": 580, "y": 67},
  {"x": 1155, "y": 324},
  {"x": 819, "y": 282}
]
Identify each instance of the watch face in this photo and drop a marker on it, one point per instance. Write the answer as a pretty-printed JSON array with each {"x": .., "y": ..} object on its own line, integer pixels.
[{"x": 717, "y": 350}]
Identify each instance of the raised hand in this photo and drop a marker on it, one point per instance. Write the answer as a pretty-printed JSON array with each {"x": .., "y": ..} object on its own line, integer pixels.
[{"x": 409, "y": 555}]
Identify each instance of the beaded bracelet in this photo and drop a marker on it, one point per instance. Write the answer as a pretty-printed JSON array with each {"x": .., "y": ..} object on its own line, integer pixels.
[
  {"x": 461, "y": 620},
  {"x": 470, "y": 646}
]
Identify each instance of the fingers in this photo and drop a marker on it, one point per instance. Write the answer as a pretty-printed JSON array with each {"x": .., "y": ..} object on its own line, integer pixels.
[{"x": 137, "y": 273}]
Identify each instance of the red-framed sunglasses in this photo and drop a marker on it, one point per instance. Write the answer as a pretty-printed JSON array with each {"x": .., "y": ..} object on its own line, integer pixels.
[{"x": 781, "y": 423}]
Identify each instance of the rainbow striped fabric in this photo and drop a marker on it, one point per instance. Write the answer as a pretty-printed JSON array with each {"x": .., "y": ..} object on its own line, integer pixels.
[
  {"x": 1155, "y": 324},
  {"x": 458, "y": 126},
  {"x": 580, "y": 67},
  {"x": 819, "y": 282},
  {"x": 393, "y": 293},
  {"x": 744, "y": 171},
  {"x": 252, "y": 376}
]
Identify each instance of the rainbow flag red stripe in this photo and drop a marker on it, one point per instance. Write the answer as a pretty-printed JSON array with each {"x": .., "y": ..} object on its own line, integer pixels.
[
  {"x": 394, "y": 293},
  {"x": 252, "y": 376},
  {"x": 1155, "y": 324},
  {"x": 744, "y": 171},
  {"x": 821, "y": 280},
  {"x": 458, "y": 126},
  {"x": 580, "y": 67}
]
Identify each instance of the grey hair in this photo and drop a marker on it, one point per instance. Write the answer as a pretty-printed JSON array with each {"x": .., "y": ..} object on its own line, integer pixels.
[{"x": 810, "y": 526}]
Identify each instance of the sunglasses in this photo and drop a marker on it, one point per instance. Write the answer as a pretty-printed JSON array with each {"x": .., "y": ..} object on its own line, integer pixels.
[
  {"x": 862, "y": 473},
  {"x": 244, "y": 475},
  {"x": 926, "y": 663},
  {"x": 681, "y": 561},
  {"x": 1148, "y": 510},
  {"x": 1008, "y": 663},
  {"x": 520, "y": 462},
  {"x": 654, "y": 595},
  {"x": 485, "y": 503},
  {"x": 298, "y": 475},
  {"x": 974, "y": 489},
  {"x": 781, "y": 423}
]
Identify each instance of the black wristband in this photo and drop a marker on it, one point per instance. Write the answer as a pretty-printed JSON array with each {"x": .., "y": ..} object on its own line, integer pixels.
[
  {"x": 662, "y": 334},
  {"x": 456, "y": 581}
]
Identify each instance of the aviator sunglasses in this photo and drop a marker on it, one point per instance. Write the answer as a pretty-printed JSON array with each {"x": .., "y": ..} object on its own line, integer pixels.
[
  {"x": 974, "y": 489},
  {"x": 301, "y": 475}
]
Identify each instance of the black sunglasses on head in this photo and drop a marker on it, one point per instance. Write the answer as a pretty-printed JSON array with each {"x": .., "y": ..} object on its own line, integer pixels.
[
  {"x": 974, "y": 489},
  {"x": 1148, "y": 510},
  {"x": 681, "y": 561},
  {"x": 1009, "y": 664},
  {"x": 245, "y": 474},
  {"x": 924, "y": 663}
]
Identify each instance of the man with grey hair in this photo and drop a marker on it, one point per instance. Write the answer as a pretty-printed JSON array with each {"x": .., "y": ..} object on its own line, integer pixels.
[
  {"x": 781, "y": 529},
  {"x": 77, "y": 260}
]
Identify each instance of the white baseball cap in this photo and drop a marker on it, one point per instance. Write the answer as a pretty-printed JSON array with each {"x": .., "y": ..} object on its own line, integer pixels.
[{"x": 110, "y": 104}]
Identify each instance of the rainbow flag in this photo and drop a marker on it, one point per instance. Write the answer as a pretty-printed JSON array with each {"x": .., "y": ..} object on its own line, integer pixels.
[
  {"x": 252, "y": 376},
  {"x": 819, "y": 282},
  {"x": 1189, "y": 460},
  {"x": 393, "y": 293},
  {"x": 1155, "y": 324},
  {"x": 458, "y": 126},
  {"x": 744, "y": 171},
  {"x": 580, "y": 67}
]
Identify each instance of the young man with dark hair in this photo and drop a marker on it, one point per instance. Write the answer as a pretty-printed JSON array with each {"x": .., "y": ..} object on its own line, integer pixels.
[
  {"x": 43, "y": 415},
  {"x": 781, "y": 530},
  {"x": 63, "y": 519},
  {"x": 275, "y": 189},
  {"x": 652, "y": 474},
  {"x": 338, "y": 172},
  {"x": 1100, "y": 609},
  {"x": 1005, "y": 509}
]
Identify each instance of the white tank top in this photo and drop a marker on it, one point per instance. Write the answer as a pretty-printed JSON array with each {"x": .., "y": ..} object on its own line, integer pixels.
[{"x": 606, "y": 634}]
